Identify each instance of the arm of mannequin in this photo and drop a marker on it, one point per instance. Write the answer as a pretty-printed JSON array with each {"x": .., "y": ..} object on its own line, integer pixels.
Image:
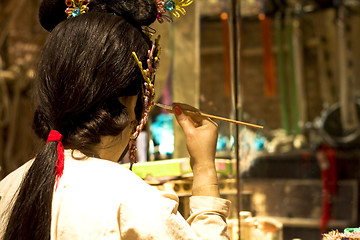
[{"x": 201, "y": 138}]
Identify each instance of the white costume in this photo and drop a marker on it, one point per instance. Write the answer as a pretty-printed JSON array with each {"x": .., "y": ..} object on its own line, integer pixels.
[{"x": 100, "y": 199}]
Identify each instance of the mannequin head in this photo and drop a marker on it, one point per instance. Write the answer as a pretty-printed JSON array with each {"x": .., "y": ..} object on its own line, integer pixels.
[{"x": 85, "y": 68}]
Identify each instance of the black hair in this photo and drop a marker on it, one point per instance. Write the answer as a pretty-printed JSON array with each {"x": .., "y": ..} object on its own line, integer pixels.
[{"x": 85, "y": 66}]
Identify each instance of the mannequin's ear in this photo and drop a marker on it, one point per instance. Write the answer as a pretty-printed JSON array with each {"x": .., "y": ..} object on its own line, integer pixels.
[
  {"x": 130, "y": 102},
  {"x": 139, "y": 108}
]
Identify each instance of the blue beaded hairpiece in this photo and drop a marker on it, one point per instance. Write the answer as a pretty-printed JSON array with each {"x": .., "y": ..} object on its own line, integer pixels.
[
  {"x": 175, "y": 7},
  {"x": 76, "y": 7}
]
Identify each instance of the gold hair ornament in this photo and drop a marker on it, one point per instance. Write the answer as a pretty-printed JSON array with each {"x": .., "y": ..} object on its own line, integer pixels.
[
  {"x": 175, "y": 7},
  {"x": 76, "y": 7}
]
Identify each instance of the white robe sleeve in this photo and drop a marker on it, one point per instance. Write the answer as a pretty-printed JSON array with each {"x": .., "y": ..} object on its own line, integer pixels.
[
  {"x": 208, "y": 217},
  {"x": 158, "y": 218}
]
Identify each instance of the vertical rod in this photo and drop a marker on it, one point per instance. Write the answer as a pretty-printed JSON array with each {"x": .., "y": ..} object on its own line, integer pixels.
[{"x": 235, "y": 42}]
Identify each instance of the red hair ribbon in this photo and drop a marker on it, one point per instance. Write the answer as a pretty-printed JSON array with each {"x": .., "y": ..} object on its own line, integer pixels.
[{"x": 55, "y": 136}]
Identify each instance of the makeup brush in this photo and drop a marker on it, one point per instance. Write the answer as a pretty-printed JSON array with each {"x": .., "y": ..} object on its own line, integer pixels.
[{"x": 170, "y": 108}]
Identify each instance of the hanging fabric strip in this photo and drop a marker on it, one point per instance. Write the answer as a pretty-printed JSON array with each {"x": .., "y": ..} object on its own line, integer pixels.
[
  {"x": 281, "y": 72},
  {"x": 226, "y": 42},
  {"x": 325, "y": 53},
  {"x": 293, "y": 92},
  {"x": 299, "y": 72},
  {"x": 348, "y": 111},
  {"x": 268, "y": 57}
]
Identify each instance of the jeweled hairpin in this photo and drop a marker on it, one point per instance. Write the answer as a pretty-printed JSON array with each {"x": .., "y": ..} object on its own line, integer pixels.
[
  {"x": 175, "y": 7},
  {"x": 76, "y": 7},
  {"x": 148, "y": 92}
]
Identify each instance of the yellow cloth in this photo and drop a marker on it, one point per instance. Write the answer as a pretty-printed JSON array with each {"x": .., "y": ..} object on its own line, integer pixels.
[{"x": 99, "y": 199}]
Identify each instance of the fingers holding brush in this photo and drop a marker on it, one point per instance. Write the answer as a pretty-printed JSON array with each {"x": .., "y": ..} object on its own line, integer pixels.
[
  {"x": 201, "y": 134},
  {"x": 194, "y": 115}
]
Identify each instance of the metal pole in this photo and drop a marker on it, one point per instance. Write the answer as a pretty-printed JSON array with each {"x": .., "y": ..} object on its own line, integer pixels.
[{"x": 235, "y": 55}]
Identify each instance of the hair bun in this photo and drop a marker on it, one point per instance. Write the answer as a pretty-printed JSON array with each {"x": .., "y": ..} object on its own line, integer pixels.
[
  {"x": 139, "y": 12},
  {"x": 51, "y": 13}
]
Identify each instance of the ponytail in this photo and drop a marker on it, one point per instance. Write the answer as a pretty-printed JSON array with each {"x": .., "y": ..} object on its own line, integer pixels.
[{"x": 30, "y": 217}]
